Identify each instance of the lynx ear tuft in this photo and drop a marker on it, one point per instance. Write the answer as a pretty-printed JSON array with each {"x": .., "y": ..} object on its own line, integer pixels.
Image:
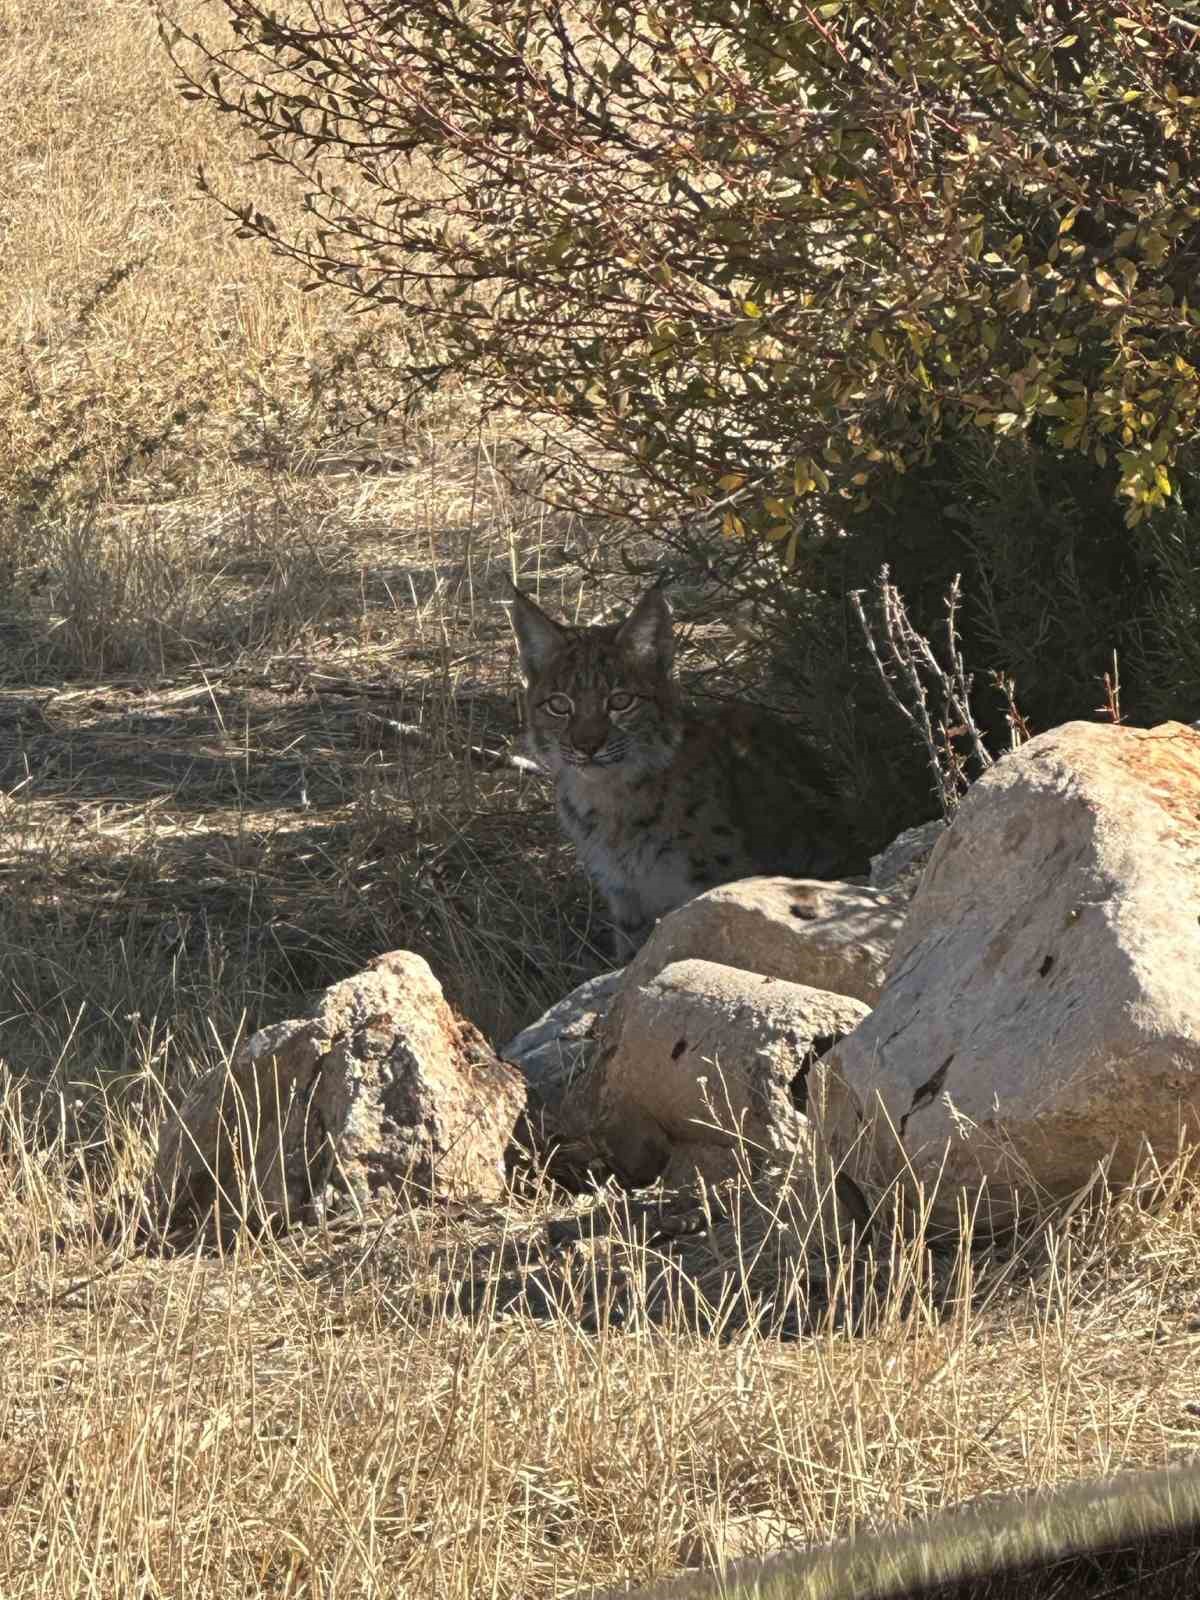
[
  {"x": 648, "y": 635},
  {"x": 538, "y": 638}
]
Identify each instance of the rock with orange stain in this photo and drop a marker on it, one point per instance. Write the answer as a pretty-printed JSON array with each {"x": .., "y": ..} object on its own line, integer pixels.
[{"x": 1041, "y": 1014}]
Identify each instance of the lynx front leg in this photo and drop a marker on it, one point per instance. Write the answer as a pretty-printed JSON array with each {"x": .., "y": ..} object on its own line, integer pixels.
[
  {"x": 630, "y": 924},
  {"x": 628, "y": 941}
]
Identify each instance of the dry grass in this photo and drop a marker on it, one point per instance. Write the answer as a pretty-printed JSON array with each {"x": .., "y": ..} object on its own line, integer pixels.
[
  {"x": 382, "y": 1408},
  {"x": 217, "y": 603},
  {"x": 220, "y": 595}
]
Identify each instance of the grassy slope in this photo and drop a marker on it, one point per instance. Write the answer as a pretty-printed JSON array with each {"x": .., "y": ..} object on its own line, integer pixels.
[{"x": 213, "y": 595}]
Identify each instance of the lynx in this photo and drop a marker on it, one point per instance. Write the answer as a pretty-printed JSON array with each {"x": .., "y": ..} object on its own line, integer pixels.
[{"x": 663, "y": 801}]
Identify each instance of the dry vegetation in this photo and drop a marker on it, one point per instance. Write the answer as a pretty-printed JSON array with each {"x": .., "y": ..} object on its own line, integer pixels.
[{"x": 219, "y": 600}]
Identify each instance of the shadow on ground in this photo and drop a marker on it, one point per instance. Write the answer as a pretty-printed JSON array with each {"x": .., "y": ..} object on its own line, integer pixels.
[
  {"x": 717, "y": 1264},
  {"x": 214, "y": 855}
]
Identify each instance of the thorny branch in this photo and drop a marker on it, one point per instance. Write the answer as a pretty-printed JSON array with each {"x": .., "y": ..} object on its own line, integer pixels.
[{"x": 908, "y": 667}]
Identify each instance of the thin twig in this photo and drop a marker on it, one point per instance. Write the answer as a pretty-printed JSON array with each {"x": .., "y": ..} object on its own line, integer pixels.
[
  {"x": 1112, "y": 694},
  {"x": 414, "y": 733},
  {"x": 906, "y": 658},
  {"x": 1018, "y": 729}
]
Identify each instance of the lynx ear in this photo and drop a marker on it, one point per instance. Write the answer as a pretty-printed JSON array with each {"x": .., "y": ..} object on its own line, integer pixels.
[
  {"x": 647, "y": 634},
  {"x": 537, "y": 637}
]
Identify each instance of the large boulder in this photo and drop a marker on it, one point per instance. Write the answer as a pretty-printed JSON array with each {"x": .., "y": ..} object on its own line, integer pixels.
[
  {"x": 900, "y": 867},
  {"x": 1042, "y": 1013},
  {"x": 709, "y": 1071},
  {"x": 822, "y": 935},
  {"x": 558, "y": 1133},
  {"x": 827, "y": 935},
  {"x": 381, "y": 1087},
  {"x": 559, "y": 1045}
]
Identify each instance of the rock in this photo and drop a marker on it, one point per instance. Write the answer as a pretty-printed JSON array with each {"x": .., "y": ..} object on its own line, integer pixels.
[
  {"x": 561, "y": 1042},
  {"x": 899, "y": 868},
  {"x": 705, "y": 1052},
  {"x": 557, "y": 1134},
  {"x": 1042, "y": 1012},
  {"x": 827, "y": 935},
  {"x": 381, "y": 1087}
]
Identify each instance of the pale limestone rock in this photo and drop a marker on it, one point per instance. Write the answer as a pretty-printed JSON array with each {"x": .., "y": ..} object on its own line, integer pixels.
[
  {"x": 558, "y": 1133},
  {"x": 899, "y": 867},
  {"x": 381, "y": 1087},
  {"x": 1042, "y": 1012},
  {"x": 560, "y": 1044},
  {"x": 828, "y": 935},
  {"x": 707, "y": 1057},
  {"x": 825, "y": 935}
]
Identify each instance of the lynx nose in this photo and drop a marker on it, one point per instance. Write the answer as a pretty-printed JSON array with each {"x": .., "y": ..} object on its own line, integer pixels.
[{"x": 588, "y": 739}]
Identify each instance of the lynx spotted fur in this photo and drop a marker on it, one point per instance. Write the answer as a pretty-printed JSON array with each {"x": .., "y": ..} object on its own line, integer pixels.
[{"x": 663, "y": 801}]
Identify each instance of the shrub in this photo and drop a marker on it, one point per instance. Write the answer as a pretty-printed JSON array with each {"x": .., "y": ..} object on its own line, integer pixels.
[
  {"x": 783, "y": 242},
  {"x": 846, "y": 279}
]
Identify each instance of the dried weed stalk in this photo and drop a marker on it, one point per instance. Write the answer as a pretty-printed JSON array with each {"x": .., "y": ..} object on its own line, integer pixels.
[{"x": 909, "y": 667}]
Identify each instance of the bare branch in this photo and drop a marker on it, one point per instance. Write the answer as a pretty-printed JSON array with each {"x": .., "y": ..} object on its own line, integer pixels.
[{"x": 909, "y": 668}]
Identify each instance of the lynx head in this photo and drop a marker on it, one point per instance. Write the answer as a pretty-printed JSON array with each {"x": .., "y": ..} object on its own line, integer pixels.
[{"x": 599, "y": 700}]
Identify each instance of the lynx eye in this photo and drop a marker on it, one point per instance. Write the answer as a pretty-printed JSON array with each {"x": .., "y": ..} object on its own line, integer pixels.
[
  {"x": 621, "y": 701},
  {"x": 558, "y": 705}
]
